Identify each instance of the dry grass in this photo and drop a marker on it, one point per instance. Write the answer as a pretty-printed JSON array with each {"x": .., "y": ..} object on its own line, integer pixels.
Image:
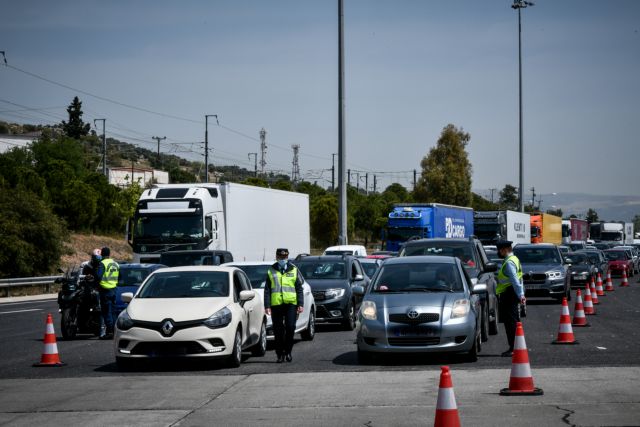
[{"x": 81, "y": 245}]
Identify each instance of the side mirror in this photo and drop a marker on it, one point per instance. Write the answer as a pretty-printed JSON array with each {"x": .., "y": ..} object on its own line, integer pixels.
[
  {"x": 247, "y": 295},
  {"x": 480, "y": 288},
  {"x": 127, "y": 297},
  {"x": 568, "y": 261},
  {"x": 358, "y": 277},
  {"x": 491, "y": 267},
  {"x": 358, "y": 290}
]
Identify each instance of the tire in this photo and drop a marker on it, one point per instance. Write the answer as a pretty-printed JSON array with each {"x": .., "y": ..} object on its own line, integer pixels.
[
  {"x": 349, "y": 322},
  {"x": 235, "y": 359},
  {"x": 493, "y": 324},
  {"x": 472, "y": 355},
  {"x": 310, "y": 332},
  {"x": 260, "y": 349},
  {"x": 68, "y": 324},
  {"x": 484, "y": 329},
  {"x": 365, "y": 357}
]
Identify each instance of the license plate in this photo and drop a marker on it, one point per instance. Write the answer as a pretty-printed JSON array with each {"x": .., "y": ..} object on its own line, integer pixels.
[{"x": 420, "y": 331}]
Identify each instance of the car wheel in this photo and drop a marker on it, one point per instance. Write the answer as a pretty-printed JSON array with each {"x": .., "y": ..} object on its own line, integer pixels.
[
  {"x": 310, "y": 332},
  {"x": 349, "y": 322},
  {"x": 365, "y": 357},
  {"x": 493, "y": 324},
  {"x": 484, "y": 330},
  {"x": 260, "y": 349},
  {"x": 68, "y": 324},
  {"x": 235, "y": 359},
  {"x": 472, "y": 355}
]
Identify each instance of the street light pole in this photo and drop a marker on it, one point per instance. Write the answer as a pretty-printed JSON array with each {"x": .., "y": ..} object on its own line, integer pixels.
[
  {"x": 206, "y": 144},
  {"x": 342, "y": 146},
  {"x": 518, "y": 5}
]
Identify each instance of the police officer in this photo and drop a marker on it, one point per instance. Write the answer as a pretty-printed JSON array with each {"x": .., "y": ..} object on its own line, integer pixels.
[
  {"x": 283, "y": 301},
  {"x": 108, "y": 273},
  {"x": 510, "y": 291}
]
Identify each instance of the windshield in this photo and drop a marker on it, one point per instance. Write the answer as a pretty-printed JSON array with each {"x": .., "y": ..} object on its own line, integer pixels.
[
  {"x": 616, "y": 255},
  {"x": 579, "y": 259},
  {"x": 537, "y": 255},
  {"x": 369, "y": 268},
  {"x": 168, "y": 227},
  {"x": 535, "y": 231},
  {"x": 486, "y": 231},
  {"x": 329, "y": 270},
  {"x": 186, "y": 284},
  {"x": 565, "y": 230},
  {"x": 178, "y": 259},
  {"x": 340, "y": 252},
  {"x": 611, "y": 236},
  {"x": 418, "y": 277},
  {"x": 257, "y": 274},
  {"x": 576, "y": 246},
  {"x": 460, "y": 250},
  {"x": 132, "y": 276},
  {"x": 403, "y": 234},
  {"x": 593, "y": 257}
]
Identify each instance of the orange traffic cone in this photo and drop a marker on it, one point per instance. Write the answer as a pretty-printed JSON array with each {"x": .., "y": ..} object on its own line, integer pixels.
[
  {"x": 589, "y": 309},
  {"x": 565, "y": 332},
  {"x": 594, "y": 295},
  {"x": 446, "y": 408},
  {"x": 625, "y": 280},
  {"x": 579, "y": 319},
  {"x": 521, "y": 381},
  {"x": 50, "y": 355},
  {"x": 599, "y": 288},
  {"x": 609, "y": 285}
]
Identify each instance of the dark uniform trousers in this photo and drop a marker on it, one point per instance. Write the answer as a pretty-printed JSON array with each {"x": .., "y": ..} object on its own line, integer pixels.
[
  {"x": 509, "y": 305},
  {"x": 284, "y": 318}
]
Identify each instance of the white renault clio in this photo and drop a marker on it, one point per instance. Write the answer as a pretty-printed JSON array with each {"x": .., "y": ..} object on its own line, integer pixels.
[{"x": 192, "y": 312}]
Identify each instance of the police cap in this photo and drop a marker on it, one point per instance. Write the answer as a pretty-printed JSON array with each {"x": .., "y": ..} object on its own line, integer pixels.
[
  {"x": 282, "y": 252},
  {"x": 503, "y": 244}
]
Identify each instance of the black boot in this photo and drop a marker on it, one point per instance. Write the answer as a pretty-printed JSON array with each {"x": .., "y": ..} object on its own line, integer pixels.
[{"x": 288, "y": 357}]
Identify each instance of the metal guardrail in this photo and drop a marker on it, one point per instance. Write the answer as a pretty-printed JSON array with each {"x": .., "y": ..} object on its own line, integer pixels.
[{"x": 7, "y": 284}]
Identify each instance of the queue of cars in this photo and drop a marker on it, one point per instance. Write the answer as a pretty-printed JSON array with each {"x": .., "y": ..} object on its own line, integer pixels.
[{"x": 436, "y": 295}]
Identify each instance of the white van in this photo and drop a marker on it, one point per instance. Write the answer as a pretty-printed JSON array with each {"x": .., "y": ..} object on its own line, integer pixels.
[{"x": 355, "y": 250}]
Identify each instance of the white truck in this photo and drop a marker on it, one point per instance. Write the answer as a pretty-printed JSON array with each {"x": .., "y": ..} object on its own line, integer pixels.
[
  {"x": 628, "y": 233},
  {"x": 612, "y": 232},
  {"x": 250, "y": 222},
  {"x": 491, "y": 226}
]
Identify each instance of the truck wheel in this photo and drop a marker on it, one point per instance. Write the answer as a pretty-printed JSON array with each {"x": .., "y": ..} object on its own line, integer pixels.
[{"x": 310, "y": 332}]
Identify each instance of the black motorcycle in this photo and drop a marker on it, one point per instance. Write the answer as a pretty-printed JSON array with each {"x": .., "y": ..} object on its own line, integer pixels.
[{"x": 79, "y": 304}]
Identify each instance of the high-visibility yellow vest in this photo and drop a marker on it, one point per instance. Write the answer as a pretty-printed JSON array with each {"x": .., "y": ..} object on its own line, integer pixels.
[
  {"x": 504, "y": 281},
  {"x": 111, "y": 273},
  {"x": 283, "y": 286}
]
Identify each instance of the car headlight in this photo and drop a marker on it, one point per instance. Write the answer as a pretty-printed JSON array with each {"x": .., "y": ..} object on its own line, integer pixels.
[
  {"x": 219, "y": 319},
  {"x": 124, "y": 322},
  {"x": 555, "y": 274},
  {"x": 333, "y": 293},
  {"x": 369, "y": 310},
  {"x": 460, "y": 308}
]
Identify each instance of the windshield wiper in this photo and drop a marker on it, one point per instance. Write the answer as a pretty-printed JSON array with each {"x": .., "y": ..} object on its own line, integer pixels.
[{"x": 424, "y": 290}]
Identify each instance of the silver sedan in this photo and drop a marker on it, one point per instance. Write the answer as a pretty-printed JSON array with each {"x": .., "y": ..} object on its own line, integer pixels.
[{"x": 420, "y": 304}]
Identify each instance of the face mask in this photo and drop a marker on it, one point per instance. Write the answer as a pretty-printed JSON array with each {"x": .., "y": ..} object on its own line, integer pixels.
[{"x": 282, "y": 263}]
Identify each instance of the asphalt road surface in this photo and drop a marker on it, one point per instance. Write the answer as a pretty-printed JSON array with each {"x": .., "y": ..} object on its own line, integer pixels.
[{"x": 611, "y": 341}]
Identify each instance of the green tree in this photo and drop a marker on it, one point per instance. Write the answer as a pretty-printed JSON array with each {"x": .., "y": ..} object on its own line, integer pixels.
[
  {"x": 31, "y": 236},
  {"x": 397, "y": 192},
  {"x": 592, "y": 216},
  {"x": 256, "y": 182},
  {"x": 479, "y": 203},
  {"x": 556, "y": 212},
  {"x": 324, "y": 220},
  {"x": 282, "y": 185},
  {"x": 446, "y": 170},
  {"x": 178, "y": 176},
  {"x": 75, "y": 127},
  {"x": 509, "y": 198},
  {"x": 636, "y": 224}
]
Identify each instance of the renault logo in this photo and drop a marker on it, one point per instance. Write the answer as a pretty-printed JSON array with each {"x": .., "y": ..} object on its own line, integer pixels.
[
  {"x": 167, "y": 327},
  {"x": 412, "y": 314}
]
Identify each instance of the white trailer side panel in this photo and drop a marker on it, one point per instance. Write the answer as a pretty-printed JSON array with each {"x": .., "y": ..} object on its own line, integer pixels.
[
  {"x": 260, "y": 220},
  {"x": 518, "y": 227}
]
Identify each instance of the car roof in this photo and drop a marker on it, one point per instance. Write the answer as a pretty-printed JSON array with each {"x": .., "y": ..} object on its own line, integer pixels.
[
  {"x": 326, "y": 258},
  {"x": 224, "y": 269},
  {"x": 243, "y": 263},
  {"x": 439, "y": 240},
  {"x": 435, "y": 259},
  {"x": 344, "y": 247},
  {"x": 535, "y": 245},
  {"x": 371, "y": 260},
  {"x": 141, "y": 265}
]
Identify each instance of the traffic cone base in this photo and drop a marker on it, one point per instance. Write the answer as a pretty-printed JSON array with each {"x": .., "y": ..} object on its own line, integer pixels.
[{"x": 50, "y": 357}]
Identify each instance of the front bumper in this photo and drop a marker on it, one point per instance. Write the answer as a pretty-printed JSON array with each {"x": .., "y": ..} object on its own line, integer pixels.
[
  {"x": 195, "y": 342},
  {"x": 331, "y": 310},
  {"x": 580, "y": 280},
  {"x": 550, "y": 287},
  {"x": 618, "y": 269}
]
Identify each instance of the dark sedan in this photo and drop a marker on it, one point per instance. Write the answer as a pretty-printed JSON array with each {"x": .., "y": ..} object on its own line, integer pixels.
[
  {"x": 582, "y": 269},
  {"x": 544, "y": 271}
]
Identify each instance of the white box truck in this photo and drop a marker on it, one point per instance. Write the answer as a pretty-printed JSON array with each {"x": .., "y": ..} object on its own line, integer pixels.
[
  {"x": 250, "y": 222},
  {"x": 491, "y": 226}
]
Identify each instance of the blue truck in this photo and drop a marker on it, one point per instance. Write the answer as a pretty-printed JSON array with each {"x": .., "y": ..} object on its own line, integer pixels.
[{"x": 431, "y": 220}]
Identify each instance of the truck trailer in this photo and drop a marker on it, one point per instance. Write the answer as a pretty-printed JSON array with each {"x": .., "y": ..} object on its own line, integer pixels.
[
  {"x": 546, "y": 228},
  {"x": 491, "y": 226},
  {"x": 574, "y": 230},
  {"x": 612, "y": 232},
  {"x": 250, "y": 222},
  {"x": 429, "y": 220}
]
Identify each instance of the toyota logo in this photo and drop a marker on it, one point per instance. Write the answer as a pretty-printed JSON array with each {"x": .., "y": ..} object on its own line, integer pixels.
[
  {"x": 167, "y": 327},
  {"x": 412, "y": 314}
]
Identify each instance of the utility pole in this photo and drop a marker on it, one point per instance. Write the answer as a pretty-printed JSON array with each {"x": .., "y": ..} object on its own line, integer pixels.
[
  {"x": 263, "y": 150},
  {"x": 206, "y": 144},
  {"x": 357, "y": 182},
  {"x": 533, "y": 197},
  {"x": 415, "y": 179},
  {"x": 375, "y": 182},
  {"x": 255, "y": 162},
  {"x": 366, "y": 184},
  {"x": 157, "y": 138},
  {"x": 333, "y": 171},
  {"x": 104, "y": 146},
  {"x": 295, "y": 173},
  {"x": 492, "y": 190},
  {"x": 348, "y": 177},
  {"x": 518, "y": 5},
  {"x": 342, "y": 144}
]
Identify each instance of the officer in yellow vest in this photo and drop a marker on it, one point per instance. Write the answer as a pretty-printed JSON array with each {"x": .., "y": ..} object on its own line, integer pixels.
[
  {"x": 108, "y": 272},
  {"x": 283, "y": 301},
  {"x": 510, "y": 291}
]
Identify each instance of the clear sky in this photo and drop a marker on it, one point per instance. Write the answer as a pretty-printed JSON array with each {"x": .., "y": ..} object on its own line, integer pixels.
[{"x": 411, "y": 68}]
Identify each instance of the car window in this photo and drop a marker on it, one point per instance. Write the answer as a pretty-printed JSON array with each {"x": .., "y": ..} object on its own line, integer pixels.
[
  {"x": 257, "y": 274},
  {"x": 579, "y": 259},
  {"x": 132, "y": 276},
  {"x": 237, "y": 286},
  {"x": 461, "y": 250},
  {"x": 244, "y": 282},
  {"x": 418, "y": 277},
  {"x": 370, "y": 268},
  {"x": 536, "y": 255},
  {"x": 323, "y": 269},
  {"x": 186, "y": 284}
]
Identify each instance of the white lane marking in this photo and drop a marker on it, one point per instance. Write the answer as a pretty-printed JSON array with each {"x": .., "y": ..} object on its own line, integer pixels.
[
  {"x": 42, "y": 301},
  {"x": 601, "y": 348},
  {"x": 20, "y": 311}
]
